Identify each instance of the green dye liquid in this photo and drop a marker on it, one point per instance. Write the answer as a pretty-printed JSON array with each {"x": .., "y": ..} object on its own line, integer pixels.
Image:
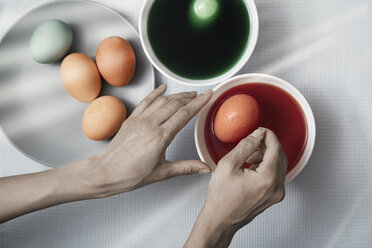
[{"x": 198, "y": 52}]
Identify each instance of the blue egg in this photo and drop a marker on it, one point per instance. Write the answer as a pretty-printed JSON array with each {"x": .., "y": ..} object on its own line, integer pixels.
[{"x": 50, "y": 41}]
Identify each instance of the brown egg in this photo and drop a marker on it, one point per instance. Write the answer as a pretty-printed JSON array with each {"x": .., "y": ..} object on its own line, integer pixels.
[
  {"x": 80, "y": 77},
  {"x": 103, "y": 117},
  {"x": 237, "y": 117},
  {"x": 116, "y": 60}
]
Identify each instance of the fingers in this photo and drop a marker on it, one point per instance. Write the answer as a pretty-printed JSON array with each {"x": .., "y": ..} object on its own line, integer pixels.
[
  {"x": 255, "y": 158},
  {"x": 185, "y": 114},
  {"x": 163, "y": 101},
  {"x": 246, "y": 148},
  {"x": 182, "y": 95},
  {"x": 185, "y": 167},
  {"x": 149, "y": 99},
  {"x": 274, "y": 162},
  {"x": 170, "y": 109}
]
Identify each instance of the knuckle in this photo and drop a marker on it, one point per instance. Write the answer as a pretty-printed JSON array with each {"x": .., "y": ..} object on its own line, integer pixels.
[
  {"x": 145, "y": 123},
  {"x": 185, "y": 111},
  {"x": 162, "y": 99},
  {"x": 157, "y": 136},
  {"x": 159, "y": 133},
  {"x": 226, "y": 161},
  {"x": 248, "y": 141},
  {"x": 174, "y": 104},
  {"x": 223, "y": 161},
  {"x": 166, "y": 132},
  {"x": 272, "y": 134},
  {"x": 280, "y": 194},
  {"x": 147, "y": 100},
  {"x": 224, "y": 165},
  {"x": 187, "y": 169},
  {"x": 268, "y": 184}
]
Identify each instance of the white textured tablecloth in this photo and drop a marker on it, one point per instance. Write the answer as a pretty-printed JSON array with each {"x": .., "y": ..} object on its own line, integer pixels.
[{"x": 324, "y": 48}]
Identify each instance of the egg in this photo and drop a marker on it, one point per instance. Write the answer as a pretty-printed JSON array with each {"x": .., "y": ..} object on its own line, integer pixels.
[
  {"x": 236, "y": 118},
  {"x": 50, "y": 41},
  {"x": 116, "y": 60},
  {"x": 103, "y": 117},
  {"x": 80, "y": 77}
]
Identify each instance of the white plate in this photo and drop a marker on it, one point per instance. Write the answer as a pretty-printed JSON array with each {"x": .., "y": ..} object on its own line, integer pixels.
[{"x": 36, "y": 113}]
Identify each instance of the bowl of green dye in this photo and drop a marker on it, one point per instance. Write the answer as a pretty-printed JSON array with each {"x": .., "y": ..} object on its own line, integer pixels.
[{"x": 198, "y": 42}]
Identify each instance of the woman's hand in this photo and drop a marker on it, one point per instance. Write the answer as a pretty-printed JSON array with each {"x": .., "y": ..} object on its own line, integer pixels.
[
  {"x": 134, "y": 158},
  {"x": 136, "y": 155},
  {"x": 236, "y": 195}
]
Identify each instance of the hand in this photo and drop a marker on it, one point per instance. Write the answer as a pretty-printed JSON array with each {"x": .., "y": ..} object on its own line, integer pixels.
[
  {"x": 236, "y": 195},
  {"x": 136, "y": 155}
]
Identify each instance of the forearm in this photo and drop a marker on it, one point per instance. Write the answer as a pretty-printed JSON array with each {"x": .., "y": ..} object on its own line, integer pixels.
[
  {"x": 27, "y": 193},
  {"x": 209, "y": 232}
]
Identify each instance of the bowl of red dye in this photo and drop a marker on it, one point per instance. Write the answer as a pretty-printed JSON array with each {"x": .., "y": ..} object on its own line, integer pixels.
[{"x": 282, "y": 108}]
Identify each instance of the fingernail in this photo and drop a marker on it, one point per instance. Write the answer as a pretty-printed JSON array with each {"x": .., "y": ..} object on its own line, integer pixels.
[
  {"x": 204, "y": 171},
  {"x": 258, "y": 133},
  {"x": 207, "y": 92},
  {"x": 162, "y": 86},
  {"x": 192, "y": 92}
]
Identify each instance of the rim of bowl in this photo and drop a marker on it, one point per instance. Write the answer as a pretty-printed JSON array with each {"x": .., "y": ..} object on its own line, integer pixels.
[
  {"x": 251, "y": 44},
  {"x": 266, "y": 79}
]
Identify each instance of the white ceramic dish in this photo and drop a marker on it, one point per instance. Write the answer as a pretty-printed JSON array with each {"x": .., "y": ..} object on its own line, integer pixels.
[
  {"x": 191, "y": 82},
  {"x": 257, "y": 78},
  {"x": 36, "y": 113}
]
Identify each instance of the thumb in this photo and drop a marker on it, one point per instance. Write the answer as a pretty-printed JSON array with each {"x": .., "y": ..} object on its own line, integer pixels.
[
  {"x": 185, "y": 167},
  {"x": 246, "y": 147}
]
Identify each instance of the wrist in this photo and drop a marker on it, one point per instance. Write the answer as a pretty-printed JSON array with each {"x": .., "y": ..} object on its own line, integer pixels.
[
  {"x": 208, "y": 231},
  {"x": 82, "y": 179},
  {"x": 106, "y": 179}
]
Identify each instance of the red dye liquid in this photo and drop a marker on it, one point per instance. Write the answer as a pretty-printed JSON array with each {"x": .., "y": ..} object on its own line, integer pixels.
[{"x": 280, "y": 112}]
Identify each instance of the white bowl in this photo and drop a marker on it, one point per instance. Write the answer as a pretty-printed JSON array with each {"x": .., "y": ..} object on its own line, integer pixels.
[
  {"x": 252, "y": 40},
  {"x": 257, "y": 78}
]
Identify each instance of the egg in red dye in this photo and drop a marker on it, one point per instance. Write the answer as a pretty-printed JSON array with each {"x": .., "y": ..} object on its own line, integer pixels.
[{"x": 236, "y": 118}]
